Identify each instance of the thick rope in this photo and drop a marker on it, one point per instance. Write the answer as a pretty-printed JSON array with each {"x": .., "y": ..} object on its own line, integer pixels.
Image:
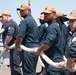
[{"x": 46, "y": 58}]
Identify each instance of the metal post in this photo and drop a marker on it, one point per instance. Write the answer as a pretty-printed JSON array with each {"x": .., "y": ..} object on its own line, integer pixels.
[
  {"x": 29, "y": 3},
  {"x": 19, "y": 15}
]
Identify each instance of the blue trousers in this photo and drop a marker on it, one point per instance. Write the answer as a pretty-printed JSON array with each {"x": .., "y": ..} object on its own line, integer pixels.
[
  {"x": 29, "y": 62},
  {"x": 15, "y": 60}
]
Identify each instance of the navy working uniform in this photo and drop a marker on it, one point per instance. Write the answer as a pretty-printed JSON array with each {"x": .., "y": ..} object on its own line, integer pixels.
[
  {"x": 29, "y": 32},
  {"x": 42, "y": 30},
  {"x": 64, "y": 30},
  {"x": 15, "y": 55},
  {"x": 53, "y": 38},
  {"x": 72, "y": 48}
]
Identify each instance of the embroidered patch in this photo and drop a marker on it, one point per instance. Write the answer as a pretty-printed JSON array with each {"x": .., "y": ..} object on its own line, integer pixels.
[
  {"x": 9, "y": 28},
  {"x": 74, "y": 39}
]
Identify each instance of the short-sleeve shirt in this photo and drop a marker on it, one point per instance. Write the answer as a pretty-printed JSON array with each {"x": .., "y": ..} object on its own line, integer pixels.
[
  {"x": 13, "y": 30},
  {"x": 53, "y": 38},
  {"x": 29, "y": 32},
  {"x": 72, "y": 49}
]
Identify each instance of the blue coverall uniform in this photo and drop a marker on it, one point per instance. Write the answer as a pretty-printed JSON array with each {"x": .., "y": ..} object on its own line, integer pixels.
[
  {"x": 29, "y": 32},
  {"x": 53, "y": 38}
]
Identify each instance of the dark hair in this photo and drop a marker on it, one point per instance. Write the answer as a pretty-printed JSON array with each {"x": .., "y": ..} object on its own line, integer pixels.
[{"x": 61, "y": 19}]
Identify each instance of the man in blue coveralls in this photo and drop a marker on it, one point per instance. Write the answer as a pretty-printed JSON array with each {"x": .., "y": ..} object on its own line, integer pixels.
[
  {"x": 65, "y": 31},
  {"x": 28, "y": 36},
  {"x": 72, "y": 49},
  {"x": 42, "y": 29},
  {"x": 51, "y": 43},
  {"x": 11, "y": 35}
]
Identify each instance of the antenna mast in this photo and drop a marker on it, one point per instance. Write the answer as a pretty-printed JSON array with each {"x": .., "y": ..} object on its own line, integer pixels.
[{"x": 29, "y": 3}]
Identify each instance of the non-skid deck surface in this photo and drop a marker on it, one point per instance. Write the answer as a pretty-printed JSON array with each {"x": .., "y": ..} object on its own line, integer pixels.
[{"x": 5, "y": 71}]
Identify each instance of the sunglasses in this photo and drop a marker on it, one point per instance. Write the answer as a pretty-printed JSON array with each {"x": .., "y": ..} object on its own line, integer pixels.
[
  {"x": 0, "y": 16},
  {"x": 71, "y": 21}
]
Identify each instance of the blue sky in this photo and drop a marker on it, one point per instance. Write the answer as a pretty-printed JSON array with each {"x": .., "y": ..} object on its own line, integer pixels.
[{"x": 37, "y": 6}]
